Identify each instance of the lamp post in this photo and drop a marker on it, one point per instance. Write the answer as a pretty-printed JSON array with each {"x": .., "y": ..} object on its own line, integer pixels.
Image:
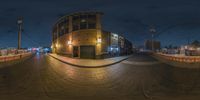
[
  {"x": 19, "y": 23},
  {"x": 152, "y": 30}
]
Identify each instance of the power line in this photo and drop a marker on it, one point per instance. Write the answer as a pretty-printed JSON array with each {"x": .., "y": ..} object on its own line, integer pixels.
[{"x": 29, "y": 38}]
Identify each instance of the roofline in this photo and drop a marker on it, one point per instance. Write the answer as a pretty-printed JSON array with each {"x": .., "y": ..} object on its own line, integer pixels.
[{"x": 77, "y": 13}]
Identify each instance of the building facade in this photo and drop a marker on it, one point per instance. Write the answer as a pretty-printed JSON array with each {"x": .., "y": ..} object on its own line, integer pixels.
[{"x": 81, "y": 35}]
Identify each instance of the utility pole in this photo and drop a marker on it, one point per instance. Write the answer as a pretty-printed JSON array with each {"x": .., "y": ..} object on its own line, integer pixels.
[
  {"x": 19, "y": 23},
  {"x": 152, "y": 30}
]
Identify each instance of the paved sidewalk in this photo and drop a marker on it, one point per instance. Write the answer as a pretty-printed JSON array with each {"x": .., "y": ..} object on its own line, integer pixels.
[{"x": 90, "y": 63}]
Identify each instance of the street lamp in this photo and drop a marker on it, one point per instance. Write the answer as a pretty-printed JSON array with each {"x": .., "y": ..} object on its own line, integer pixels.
[
  {"x": 99, "y": 40},
  {"x": 152, "y": 30},
  {"x": 69, "y": 42},
  {"x": 20, "y": 23},
  {"x": 57, "y": 45}
]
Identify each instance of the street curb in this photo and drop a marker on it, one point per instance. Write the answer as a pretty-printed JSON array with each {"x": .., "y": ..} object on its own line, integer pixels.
[{"x": 82, "y": 66}]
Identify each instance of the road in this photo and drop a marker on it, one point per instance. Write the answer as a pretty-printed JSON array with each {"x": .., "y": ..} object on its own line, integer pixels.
[{"x": 139, "y": 77}]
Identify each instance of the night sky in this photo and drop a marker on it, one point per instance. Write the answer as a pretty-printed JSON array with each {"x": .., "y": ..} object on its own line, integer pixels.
[{"x": 177, "y": 21}]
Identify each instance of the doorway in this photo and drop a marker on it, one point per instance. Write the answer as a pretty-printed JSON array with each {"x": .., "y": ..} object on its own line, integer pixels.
[
  {"x": 87, "y": 52},
  {"x": 75, "y": 51}
]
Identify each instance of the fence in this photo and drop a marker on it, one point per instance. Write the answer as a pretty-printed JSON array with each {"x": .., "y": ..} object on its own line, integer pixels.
[
  {"x": 14, "y": 57},
  {"x": 186, "y": 59}
]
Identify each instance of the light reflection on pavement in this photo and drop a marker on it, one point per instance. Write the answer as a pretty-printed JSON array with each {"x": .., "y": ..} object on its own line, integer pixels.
[{"x": 45, "y": 78}]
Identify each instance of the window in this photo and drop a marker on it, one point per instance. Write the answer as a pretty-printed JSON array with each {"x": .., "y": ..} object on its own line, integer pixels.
[
  {"x": 83, "y": 17},
  {"x": 67, "y": 30},
  {"x": 75, "y": 22},
  {"x": 91, "y": 25},
  {"x": 83, "y": 25},
  {"x": 84, "y": 21},
  {"x": 76, "y": 17},
  {"x": 91, "y": 21},
  {"x": 54, "y": 36},
  {"x": 61, "y": 32},
  {"x": 65, "y": 25},
  {"x": 54, "y": 33},
  {"x": 92, "y": 16},
  {"x": 66, "y": 21},
  {"x": 75, "y": 27}
]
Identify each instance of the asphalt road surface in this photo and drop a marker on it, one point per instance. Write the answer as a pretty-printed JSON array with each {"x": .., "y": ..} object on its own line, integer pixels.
[{"x": 137, "y": 78}]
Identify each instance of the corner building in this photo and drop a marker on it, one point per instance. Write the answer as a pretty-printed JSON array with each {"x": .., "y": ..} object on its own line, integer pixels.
[{"x": 80, "y": 35}]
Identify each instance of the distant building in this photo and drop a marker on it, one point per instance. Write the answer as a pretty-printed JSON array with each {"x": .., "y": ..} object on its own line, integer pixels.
[
  {"x": 155, "y": 44},
  {"x": 114, "y": 44},
  {"x": 122, "y": 45},
  {"x": 81, "y": 35},
  {"x": 190, "y": 50}
]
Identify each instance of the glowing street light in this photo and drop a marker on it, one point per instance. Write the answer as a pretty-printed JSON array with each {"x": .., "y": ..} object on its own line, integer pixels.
[
  {"x": 99, "y": 40},
  {"x": 57, "y": 45},
  {"x": 69, "y": 42}
]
